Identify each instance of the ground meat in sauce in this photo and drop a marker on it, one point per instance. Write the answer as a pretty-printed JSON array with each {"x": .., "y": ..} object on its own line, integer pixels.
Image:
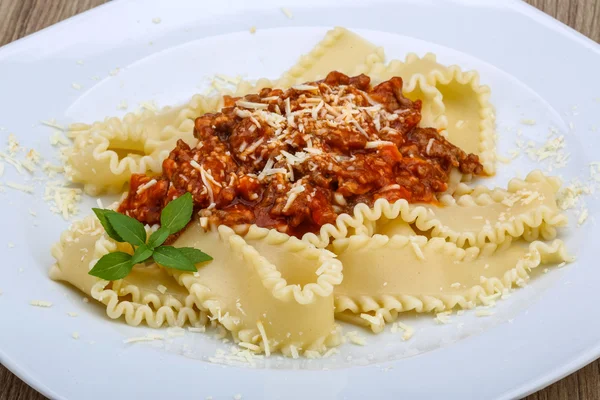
[{"x": 294, "y": 160}]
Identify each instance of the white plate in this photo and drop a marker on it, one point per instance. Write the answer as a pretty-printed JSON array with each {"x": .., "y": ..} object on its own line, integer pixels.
[{"x": 537, "y": 68}]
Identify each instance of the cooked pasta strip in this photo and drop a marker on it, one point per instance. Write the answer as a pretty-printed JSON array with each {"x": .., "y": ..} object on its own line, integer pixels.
[
  {"x": 384, "y": 276},
  {"x": 274, "y": 306},
  {"x": 105, "y": 154},
  {"x": 472, "y": 219},
  {"x": 340, "y": 50},
  {"x": 468, "y": 113},
  {"x": 77, "y": 252}
]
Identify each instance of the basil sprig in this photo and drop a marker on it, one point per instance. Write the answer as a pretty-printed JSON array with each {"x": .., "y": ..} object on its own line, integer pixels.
[{"x": 124, "y": 229}]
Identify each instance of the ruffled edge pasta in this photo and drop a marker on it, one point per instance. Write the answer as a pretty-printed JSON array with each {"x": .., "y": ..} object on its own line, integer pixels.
[
  {"x": 296, "y": 74},
  {"x": 156, "y": 132},
  {"x": 385, "y": 308},
  {"x": 153, "y": 310},
  {"x": 425, "y": 219},
  {"x": 330, "y": 274},
  {"x": 441, "y": 74}
]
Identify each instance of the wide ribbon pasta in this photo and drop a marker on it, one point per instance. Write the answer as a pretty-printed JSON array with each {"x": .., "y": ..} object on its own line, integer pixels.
[
  {"x": 384, "y": 276},
  {"x": 136, "y": 298},
  {"x": 105, "y": 154},
  {"x": 475, "y": 218},
  {"x": 269, "y": 289}
]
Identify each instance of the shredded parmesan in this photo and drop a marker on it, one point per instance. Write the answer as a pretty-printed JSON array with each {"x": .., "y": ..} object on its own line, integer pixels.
[
  {"x": 145, "y": 186},
  {"x": 40, "y": 303},
  {"x": 22, "y": 188},
  {"x": 373, "y": 320},
  {"x": 249, "y": 104},
  {"x": 378, "y": 143},
  {"x": 287, "y": 12},
  {"x": 263, "y": 335},
  {"x": 294, "y": 351},
  {"x": 526, "y": 121},
  {"x": 443, "y": 317},
  {"x": 148, "y": 338},
  {"x": 355, "y": 338},
  {"x": 162, "y": 289}
]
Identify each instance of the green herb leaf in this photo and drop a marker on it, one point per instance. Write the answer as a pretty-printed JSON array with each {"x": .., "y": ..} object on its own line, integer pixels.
[
  {"x": 141, "y": 254},
  {"x": 194, "y": 255},
  {"x": 170, "y": 257},
  {"x": 176, "y": 215},
  {"x": 112, "y": 266},
  {"x": 101, "y": 214},
  {"x": 130, "y": 229},
  {"x": 158, "y": 237}
]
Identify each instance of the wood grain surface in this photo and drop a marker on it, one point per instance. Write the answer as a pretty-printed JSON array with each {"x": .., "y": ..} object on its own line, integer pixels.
[{"x": 20, "y": 18}]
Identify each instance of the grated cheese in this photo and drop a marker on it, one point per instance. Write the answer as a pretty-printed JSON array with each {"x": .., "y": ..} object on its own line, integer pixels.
[
  {"x": 249, "y": 346},
  {"x": 373, "y": 320},
  {"x": 309, "y": 88},
  {"x": 429, "y": 144},
  {"x": 294, "y": 351},
  {"x": 265, "y": 340},
  {"x": 583, "y": 216},
  {"x": 72, "y": 314},
  {"x": 408, "y": 331},
  {"x": 40, "y": 303},
  {"x": 145, "y": 186},
  {"x": 251, "y": 105},
  {"x": 148, "y": 338},
  {"x": 526, "y": 121},
  {"x": 443, "y": 317},
  {"x": 22, "y": 188},
  {"x": 252, "y": 29},
  {"x": 175, "y": 331},
  {"x": 53, "y": 124},
  {"x": 355, "y": 338},
  {"x": 484, "y": 313},
  {"x": 287, "y": 12},
  {"x": 377, "y": 143},
  {"x": 156, "y": 20},
  {"x": 417, "y": 249},
  {"x": 293, "y": 194},
  {"x": 75, "y": 335},
  {"x": 76, "y": 86},
  {"x": 162, "y": 289}
]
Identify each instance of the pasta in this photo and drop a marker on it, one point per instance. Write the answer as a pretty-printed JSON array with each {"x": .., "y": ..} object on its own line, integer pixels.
[
  {"x": 105, "y": 154},
  {"x": 83, "y": 244},
  {"x": 246, "y": 288},
  {"x": 280, "y": 284},
  {"x": 434, "y": 275}
]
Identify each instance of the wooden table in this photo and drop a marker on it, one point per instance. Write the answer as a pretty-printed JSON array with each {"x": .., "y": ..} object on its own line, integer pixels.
[{"x": 19, "y": 18}]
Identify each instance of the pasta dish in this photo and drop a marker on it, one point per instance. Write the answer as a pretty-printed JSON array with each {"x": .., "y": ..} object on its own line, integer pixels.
[{"x": 349, "y": 189}]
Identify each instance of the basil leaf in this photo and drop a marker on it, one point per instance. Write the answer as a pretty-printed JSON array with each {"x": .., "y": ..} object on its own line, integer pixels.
[
  {"x": 130, "y": 229},
  {"x": 101, "y": 214},
  {"x": 158, "y": 237},
  {"x": 112, "y": 266},
  {"x": 194, "y": 255},
  {"x": 141, "y": 254},
  {"x": 170, "y": 257},
  {"x": 176, "y": 215}
]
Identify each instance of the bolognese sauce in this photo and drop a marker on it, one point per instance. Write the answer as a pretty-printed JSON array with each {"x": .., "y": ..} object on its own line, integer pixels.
[{"x": 295, "y": 159}]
